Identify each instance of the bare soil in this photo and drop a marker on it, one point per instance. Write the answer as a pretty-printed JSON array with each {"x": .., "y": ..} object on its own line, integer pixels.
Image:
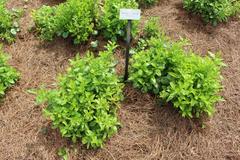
[{"x": 148, "y": 132}]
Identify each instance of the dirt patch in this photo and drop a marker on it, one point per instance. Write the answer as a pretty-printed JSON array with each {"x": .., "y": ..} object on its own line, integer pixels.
[{"x": 148, "y": 131}]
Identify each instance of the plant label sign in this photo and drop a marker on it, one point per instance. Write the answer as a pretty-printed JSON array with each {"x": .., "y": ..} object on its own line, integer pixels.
[{"x": 130, "y": 14}]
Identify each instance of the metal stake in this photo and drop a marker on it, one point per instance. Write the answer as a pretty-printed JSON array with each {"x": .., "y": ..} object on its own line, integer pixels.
[{"x": 127, "y": 49}]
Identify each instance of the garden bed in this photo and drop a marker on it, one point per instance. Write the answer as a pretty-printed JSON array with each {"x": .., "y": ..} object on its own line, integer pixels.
[{"x": 148, "y": 130}]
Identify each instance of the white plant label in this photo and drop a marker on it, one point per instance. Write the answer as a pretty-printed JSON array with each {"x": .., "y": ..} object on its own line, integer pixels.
[{"x": 130, "y": 14}]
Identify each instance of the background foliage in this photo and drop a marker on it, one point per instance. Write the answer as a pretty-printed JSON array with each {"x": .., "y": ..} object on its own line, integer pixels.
[
  {"x": 110, "y": 24},
  {"x": 8, "y": 22},
  {"x": 73, "y": 18},
  {"x": 213, "y": 11},
  {"x": 147, "y": 3}
]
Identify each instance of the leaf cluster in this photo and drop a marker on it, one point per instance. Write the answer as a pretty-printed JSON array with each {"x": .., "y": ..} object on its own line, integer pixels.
[
  {"x": 213, "y": 11},
  {"x": 151, "y": 28},
  {"x": 8, "y": 22},
  {"x": 63, "y": 153},
  {"x": 147, "y": 3},
  {"x": 87, "y": 98},
  {"x": 150, "y": 67},
  {"x": 8, "y": 75},
  {"x": 73, "y": 18},
  {"x": 190, "y": 82}
]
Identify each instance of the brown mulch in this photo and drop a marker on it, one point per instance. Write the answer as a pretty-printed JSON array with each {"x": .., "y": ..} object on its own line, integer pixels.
[{"x": 148, "y": 132}]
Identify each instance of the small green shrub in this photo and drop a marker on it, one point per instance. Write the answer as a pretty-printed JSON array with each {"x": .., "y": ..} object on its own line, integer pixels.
[
  {"x": 149, "y": 68},
  {"x": 151, "y": 28},
  {"x": 213, "y": 11},
  {"x": 73, "y": 18},
  {"x": 8, "y": 23},
  {"x": 110, "y": 24},
  {"x": 85, "y": 104},
  {"x": 8, "y": 75},
  {"x": 190, "y": 82},
  {"x": 45, "y": 21},
  {"x": 147, "y": 3}
]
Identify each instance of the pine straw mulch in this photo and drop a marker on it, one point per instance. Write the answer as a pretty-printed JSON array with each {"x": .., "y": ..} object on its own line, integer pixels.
[{"x": 148, "y": 131}]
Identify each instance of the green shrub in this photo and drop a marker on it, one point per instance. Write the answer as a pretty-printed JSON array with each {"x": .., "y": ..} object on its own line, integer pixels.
[
  {"x": 190, "y": 82},
  {"x": 149, "y": 68},
  {"x": 194, "y": 86},
  {"x": 152, "y": 28},
  {"x": 45, "y": 20},
  {"x": 8, "y": 23},
  {"x": 85, "y": 104},
  {"x": 8, "y": 75},
  {"x": 110, "y": 24},
  {"x": 73, "y": 18},
  {"x": 213, "y": 11}
]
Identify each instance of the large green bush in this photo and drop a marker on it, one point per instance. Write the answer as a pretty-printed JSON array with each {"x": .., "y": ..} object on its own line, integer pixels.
[
  {"x": 190, "y": 82},
  {"x": 110, "y": 24},
  {"x": 194, "y": 86},
  {"x": 213, "y": 11},
  {"x": 73, "y": 18},
  {"x": 8, "y": 23},
  {"x": 86, "y": 101},
  {"x": 8, "y": 75}
]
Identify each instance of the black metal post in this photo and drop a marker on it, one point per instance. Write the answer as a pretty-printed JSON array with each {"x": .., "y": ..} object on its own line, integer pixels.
[{"x": 127, "y": 49}]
